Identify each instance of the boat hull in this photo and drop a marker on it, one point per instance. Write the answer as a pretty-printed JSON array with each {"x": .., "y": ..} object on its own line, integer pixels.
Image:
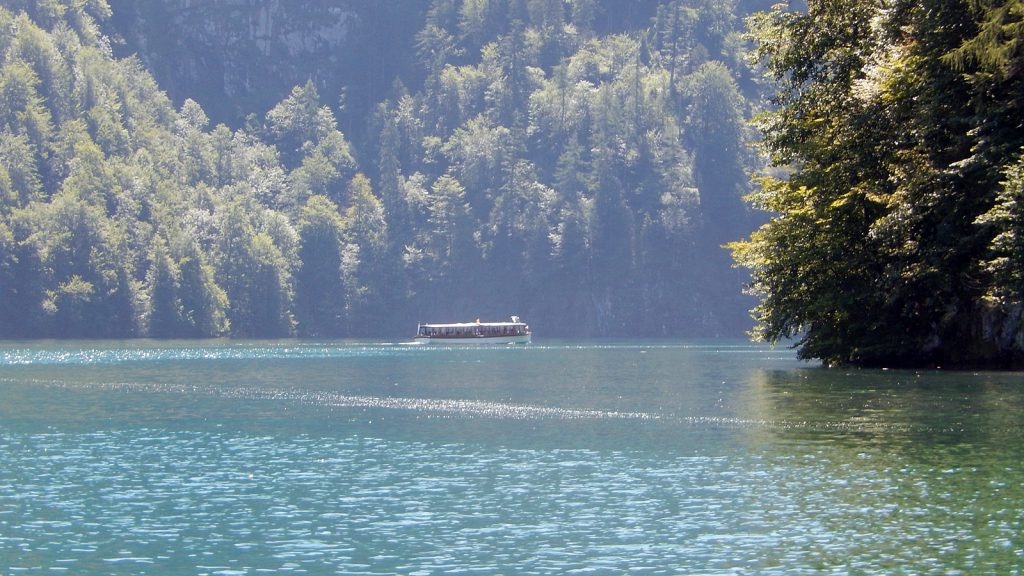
[{"x": 475, "y": 340}]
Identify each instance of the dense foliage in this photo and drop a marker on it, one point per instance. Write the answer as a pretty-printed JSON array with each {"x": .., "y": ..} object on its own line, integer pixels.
[
  {"x": 586, "y": 179},
  {"x": 542, "y": 164},
  {"x": 897, "y": 235}
]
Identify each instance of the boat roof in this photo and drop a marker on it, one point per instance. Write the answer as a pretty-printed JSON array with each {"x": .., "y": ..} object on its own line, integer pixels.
[{"x": 474, "y": 324}]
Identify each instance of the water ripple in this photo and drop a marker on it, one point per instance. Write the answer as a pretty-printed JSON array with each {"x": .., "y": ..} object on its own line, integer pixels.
[
  {"x": 153, "y": 500},
  {"x": 469, "y": 408},
  {"x": 604, "y": 459},
  {"x": 122, "y": 355},
  {"x": 118, "y": 353}
]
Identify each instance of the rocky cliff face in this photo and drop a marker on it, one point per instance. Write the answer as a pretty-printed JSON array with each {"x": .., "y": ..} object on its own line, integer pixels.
[{"x": 240, "y": 56}]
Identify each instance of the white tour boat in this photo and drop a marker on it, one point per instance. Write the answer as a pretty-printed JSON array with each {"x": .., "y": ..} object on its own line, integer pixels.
[{"x": 514, "y": 332}]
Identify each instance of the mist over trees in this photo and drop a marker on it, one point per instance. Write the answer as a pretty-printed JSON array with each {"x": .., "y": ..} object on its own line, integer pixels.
[{"x": 576, "y": 163}]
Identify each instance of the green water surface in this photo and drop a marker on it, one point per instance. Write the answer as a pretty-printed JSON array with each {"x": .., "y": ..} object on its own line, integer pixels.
[{"x": 589, "y": 457}]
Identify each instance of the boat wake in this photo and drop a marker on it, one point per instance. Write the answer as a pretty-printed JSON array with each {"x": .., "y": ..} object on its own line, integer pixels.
[
  {"x": 455, "y": 408},
  {"x": 450, "y": 407}
]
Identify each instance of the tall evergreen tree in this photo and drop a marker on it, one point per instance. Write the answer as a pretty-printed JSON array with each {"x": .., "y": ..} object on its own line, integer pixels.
[
  {"x": 715, "y": 130},
  {"x": 319, "y": 294},
  {"x": 203, "y": 303},
  {"x": 252, "y": 271},
  {"x": 163, "y": 279}
]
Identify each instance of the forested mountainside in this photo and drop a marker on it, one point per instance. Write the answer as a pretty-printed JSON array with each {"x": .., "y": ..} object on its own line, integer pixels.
[
  {"x": 576, "y": 163},
  {"x": 899, "y": 237}
]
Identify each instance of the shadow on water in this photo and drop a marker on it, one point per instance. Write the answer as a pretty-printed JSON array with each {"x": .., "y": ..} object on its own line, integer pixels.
[
  {"x": 906, "y": 411},
  {"x": 929, "y": 456}
]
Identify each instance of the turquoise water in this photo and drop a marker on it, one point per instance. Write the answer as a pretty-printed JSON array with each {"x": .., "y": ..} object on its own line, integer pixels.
[{"x": 554, "y": 458}]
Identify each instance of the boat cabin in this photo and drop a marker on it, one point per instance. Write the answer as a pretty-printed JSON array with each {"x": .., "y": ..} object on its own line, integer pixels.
[{"x": 473, "y": 332}]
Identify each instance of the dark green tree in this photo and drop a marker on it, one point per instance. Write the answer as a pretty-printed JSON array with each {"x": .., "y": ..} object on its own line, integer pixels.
[
  {"x": 449, "y": 237},
  {"x": 319, "y": 294},
  {"x": 22, "y": 110},
  {"x": 673, "y": 34},
  {"x": 19, "y": 172},
  {"x": 612, "y": 243},
  {"x": 253, "y": 273},
  {"x": 1005, "y": 259},
  {"x": 366, "y": 237},
  {"x": 715, "y": 130},
  {"x": 19, "y": 288},
  {"x": 163, "y": 284},
  {"x": 91, "y": 294},
  {"x": 203, "y": 303},
  {"x": 897, "y": 155}
]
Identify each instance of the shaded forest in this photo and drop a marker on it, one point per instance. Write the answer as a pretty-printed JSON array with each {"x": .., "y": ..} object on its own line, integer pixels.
[{"x": 578, "y": 163}]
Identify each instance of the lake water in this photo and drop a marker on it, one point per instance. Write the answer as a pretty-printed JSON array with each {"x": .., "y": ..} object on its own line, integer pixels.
[{"x": 554, "y": 458}]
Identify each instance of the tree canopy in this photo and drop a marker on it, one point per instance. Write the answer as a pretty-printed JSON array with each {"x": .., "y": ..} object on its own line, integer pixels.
[{"x": 897, "y": 141}]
